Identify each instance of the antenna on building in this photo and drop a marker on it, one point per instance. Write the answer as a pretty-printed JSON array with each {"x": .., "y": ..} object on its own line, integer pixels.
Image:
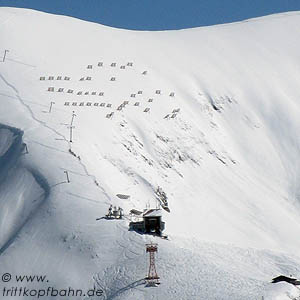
[{"x": 152, "y": 278}]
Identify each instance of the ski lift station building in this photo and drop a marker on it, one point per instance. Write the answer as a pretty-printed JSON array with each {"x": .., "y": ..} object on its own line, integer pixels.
[{"x": 149, "y": 221}]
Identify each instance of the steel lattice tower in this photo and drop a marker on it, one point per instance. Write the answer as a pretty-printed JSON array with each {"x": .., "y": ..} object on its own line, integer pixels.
[{"x": 152, "y": 277}]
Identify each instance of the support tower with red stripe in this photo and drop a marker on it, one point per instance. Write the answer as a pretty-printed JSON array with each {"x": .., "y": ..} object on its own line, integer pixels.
[{"x": 152, "y": 277}]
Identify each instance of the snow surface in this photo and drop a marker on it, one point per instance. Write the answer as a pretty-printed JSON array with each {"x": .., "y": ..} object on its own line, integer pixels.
[{"x": 227, "y": 160}]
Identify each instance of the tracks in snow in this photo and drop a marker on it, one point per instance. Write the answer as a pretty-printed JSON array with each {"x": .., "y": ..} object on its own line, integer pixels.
[
  {"x": 128, "y": 253},
  {"x": 44, "y": 124},
  {"x": 130, "y": 268}
]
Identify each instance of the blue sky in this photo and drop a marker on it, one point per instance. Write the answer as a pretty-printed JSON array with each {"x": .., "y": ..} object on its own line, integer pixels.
[{"x": 159, "y": 14}]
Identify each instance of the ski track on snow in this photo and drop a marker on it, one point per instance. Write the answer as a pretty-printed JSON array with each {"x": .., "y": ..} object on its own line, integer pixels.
[{"x": 44, "y": 124}]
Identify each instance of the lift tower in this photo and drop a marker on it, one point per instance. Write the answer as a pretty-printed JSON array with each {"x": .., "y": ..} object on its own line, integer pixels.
[{"x": 152, "y": 278}]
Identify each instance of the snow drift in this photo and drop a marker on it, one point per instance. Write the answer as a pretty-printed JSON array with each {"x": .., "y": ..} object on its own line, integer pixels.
[{"x": 22, "y": 189}]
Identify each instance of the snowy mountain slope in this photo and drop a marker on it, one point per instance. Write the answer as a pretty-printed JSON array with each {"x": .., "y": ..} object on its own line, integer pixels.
[
  {"x": 22, "y": 189},
  {"x": 227, "y": 159}
]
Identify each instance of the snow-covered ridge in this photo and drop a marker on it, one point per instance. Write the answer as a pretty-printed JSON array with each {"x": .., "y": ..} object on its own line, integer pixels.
[
  {"x": 10, "y": 143},
  {"x": 13, "y": 11},
  {"x": 6, "y": 141},
  {"x": 210, "y": 115},
  {"x": 21, "y": 189}
]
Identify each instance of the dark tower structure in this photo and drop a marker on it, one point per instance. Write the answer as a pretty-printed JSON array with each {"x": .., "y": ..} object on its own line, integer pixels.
[{"x": 152, "y": 277}]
